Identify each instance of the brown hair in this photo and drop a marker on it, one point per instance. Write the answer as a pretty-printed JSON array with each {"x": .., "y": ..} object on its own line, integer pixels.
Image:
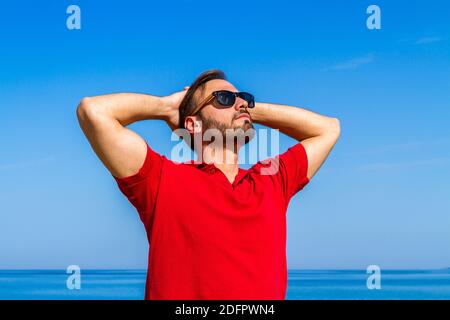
[{"x": 189, "y": 103}]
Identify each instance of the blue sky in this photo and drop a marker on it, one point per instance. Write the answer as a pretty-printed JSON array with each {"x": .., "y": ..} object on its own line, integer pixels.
[{"x": 381, "y": 198}]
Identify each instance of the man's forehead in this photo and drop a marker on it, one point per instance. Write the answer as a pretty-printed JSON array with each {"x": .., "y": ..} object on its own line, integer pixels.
[{"x": 217, "y": 84}]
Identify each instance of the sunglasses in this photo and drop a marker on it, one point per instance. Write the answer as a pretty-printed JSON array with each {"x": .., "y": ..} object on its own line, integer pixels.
[{"x": 226, "y": 99}]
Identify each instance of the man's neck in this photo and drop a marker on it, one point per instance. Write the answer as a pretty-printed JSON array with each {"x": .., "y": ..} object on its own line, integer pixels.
[{"x": 226, "y": 161}]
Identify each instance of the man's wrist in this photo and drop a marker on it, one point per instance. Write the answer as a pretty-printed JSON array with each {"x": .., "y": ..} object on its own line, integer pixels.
[
  {"x": 158, "y": 107},
  {"x": 258, "y": 113},
  {"x": 165, "y": 107}
]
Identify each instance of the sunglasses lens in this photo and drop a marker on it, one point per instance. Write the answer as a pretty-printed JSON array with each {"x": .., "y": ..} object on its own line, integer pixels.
[
  {"x": 226, "y": 98},
  {"x": 249, "y": 98}
]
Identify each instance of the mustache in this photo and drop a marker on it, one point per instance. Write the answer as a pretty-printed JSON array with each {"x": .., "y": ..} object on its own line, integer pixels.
[{"x": 243, "y": 112}]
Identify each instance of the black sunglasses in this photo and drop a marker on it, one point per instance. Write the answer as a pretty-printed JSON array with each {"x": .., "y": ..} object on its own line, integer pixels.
[{"x": 227, "y": 99}]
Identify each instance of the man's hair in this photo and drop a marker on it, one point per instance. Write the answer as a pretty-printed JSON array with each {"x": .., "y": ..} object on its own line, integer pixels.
[{"x": 189, "y": 102}]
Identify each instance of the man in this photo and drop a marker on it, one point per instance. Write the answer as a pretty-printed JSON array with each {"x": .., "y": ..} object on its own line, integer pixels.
[{"x": 216, "y": 231}]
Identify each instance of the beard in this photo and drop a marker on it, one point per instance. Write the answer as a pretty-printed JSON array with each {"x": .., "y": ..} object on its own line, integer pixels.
[{"x": 240, "y": 133}]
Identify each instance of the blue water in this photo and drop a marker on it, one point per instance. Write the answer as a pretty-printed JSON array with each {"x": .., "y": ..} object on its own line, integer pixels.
[{"x": 302, "y": 284}]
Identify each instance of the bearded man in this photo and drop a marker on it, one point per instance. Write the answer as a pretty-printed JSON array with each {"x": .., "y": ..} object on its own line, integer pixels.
[{"x": 215, "y": 230}]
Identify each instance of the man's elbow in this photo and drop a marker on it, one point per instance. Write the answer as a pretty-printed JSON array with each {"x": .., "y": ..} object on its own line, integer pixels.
[
  {"x": 86, "y": 110},
  {"x": 333, "y": 128}
]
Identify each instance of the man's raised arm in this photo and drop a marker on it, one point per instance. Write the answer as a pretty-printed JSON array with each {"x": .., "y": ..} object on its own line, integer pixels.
[
  {"x": 103, "y": 120},
  {"x": 317, "y": 133}
]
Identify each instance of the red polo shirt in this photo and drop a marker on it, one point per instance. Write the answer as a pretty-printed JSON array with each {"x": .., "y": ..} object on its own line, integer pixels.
[{"x": 212, "y": 239}]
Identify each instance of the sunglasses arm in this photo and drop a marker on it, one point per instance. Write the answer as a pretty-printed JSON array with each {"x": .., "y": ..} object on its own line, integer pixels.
[{"x": 201, "y": 105}]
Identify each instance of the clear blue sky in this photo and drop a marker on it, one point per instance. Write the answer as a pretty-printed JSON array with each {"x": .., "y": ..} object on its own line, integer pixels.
[{"x": 381, "y": 198}]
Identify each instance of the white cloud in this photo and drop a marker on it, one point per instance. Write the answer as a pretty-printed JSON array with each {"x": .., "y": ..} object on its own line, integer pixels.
[
  {"x": 427, "y": 40},
  {"x": 387, "y": 166},
  {"x": 354, "y": 63},
  {"x": 25, "y": 164},
  {"x": 412, "y": 145}
]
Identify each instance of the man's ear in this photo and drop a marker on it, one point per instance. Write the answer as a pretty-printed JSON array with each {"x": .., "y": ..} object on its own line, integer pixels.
[{"x": 193, "y": 124}]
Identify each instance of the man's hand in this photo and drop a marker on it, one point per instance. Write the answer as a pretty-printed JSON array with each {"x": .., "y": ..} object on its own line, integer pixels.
[{"x": 172, "y": 103}]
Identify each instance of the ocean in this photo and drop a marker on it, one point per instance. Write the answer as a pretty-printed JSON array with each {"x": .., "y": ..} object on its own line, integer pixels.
[{"x": 302, "y": 285}]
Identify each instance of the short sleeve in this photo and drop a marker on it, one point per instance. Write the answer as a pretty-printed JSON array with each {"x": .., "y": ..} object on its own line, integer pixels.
[
  {"x": 293, "y": 169},
  {"x": 141, "y": 189}
]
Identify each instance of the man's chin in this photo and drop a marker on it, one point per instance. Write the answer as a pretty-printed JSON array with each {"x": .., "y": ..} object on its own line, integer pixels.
[
  {"x": 248, "y": 132},
  {"x": 245, "y": 126}
]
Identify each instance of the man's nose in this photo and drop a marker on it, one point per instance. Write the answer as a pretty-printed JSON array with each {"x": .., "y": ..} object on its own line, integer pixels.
[{"x": 240, "y": 104}]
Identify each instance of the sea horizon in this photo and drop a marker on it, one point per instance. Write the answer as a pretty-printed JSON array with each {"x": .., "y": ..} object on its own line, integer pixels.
[{"x": 303, "y": 284}]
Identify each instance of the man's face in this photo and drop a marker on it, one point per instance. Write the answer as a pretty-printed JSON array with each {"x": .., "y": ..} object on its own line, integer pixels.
[{"x": 215, "y": 116}]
